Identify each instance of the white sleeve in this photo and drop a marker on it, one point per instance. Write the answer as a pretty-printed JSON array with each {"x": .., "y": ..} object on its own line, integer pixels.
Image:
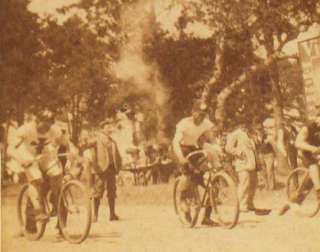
[{"x": 231, "y": 144}]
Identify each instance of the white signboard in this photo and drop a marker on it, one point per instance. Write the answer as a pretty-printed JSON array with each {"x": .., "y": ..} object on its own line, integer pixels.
[{"x": 309, "y": 51}]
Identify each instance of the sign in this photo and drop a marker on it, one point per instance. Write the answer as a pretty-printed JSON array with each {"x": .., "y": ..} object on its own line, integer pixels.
[{"x": 309, "y": 51}]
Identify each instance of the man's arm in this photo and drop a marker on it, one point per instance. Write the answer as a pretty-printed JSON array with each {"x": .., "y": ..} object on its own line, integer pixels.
[
  {"x": 16, "y": 142},
  {"x": 176, "y": 146},
  {"x": 231, "y": 144},
  {"x": 301, "y": 142}
]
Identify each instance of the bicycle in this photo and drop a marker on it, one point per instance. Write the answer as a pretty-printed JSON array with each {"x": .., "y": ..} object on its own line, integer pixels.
[
  {"x": 74, "y": 221},
  {"x": 300, "y": 190},
  {"x": 220, "y": 192}
]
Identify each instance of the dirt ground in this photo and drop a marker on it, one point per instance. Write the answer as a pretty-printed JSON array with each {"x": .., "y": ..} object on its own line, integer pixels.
[{"x": 148, "y": 223}]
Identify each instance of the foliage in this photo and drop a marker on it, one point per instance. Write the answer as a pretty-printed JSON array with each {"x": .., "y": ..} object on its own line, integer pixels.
[{"x": 22, "y": 63}]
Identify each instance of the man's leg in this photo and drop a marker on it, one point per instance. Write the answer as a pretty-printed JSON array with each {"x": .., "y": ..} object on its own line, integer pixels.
[
  {"x": 253, "y": 182},
  {"x": 111, "y": 192},
  {"x": 35, "y": 179},
  {"x": 197, "y": 179},
  {"x": 243, "y": 190},
  {"x": 98, "y": 187},
  {"x": 314, "y": 175},
  {"x": 269, "y": 162}
]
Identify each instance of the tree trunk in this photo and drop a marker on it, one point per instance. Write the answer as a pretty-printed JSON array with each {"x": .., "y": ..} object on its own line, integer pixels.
[
  {"x": 20, "y": 113},
  {"x": 282, "y": 160}
]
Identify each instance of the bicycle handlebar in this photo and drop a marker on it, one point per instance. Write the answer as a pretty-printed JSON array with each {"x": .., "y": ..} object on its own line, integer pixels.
[
  {"x": 38, "y": 157},
  {"x": 193, "y": 153}
]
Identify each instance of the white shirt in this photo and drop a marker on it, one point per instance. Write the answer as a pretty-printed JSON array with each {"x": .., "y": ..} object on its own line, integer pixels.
[
  {"x": 27, "y": 138},
  {"x": 243, "y": 147},
  {"x": 191, "y": 132}
]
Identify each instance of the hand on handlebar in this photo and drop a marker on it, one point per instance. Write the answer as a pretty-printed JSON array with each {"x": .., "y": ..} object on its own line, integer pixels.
[{"x": 183, "y": 161}]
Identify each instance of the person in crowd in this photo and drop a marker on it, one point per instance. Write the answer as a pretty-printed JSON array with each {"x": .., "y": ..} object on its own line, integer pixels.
[
  {"x": 105, "y": 160},
  {"x": 268, "y": 147},
  {"x": 282, "y": 141},
  {"x": 243, "y": 150}
]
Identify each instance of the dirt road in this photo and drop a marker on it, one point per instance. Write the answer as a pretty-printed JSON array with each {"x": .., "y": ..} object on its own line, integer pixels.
[{"x": 148, "y": 223}]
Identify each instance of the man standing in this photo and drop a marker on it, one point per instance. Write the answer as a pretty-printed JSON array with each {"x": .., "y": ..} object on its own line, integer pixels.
[
  {"x": 106, "y": 163},
  {"x": 242, "y": 148},
  {"x": 268, "y": 147}
]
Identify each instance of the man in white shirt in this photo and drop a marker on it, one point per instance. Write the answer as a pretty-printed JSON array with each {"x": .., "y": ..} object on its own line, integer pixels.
[
  {"x": 39, "y": 137},
  {"x": 186, "y": 140},
  {"x": 243, "y": 149}
]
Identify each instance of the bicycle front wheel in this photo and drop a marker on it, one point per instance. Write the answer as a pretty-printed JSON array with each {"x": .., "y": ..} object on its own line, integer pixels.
[
  {"x": 187, "y": 207},
  {"x": 74, "y": 212},
  {"x": 31, "y": 229},
  {"x": 224, "y": 200},
  {"x": 300, "y": 190}
]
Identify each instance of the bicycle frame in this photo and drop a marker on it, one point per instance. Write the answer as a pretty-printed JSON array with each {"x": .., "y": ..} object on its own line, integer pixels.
[{"x": 211, "y": 171}]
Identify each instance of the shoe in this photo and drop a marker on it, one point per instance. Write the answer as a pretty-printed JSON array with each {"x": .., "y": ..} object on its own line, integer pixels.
[
  {"x": 208, "y": 222},
  {"x": 261, "y": 211},
  {"x": 113, "y": 217},
  {"x": 284, "y": 209}
]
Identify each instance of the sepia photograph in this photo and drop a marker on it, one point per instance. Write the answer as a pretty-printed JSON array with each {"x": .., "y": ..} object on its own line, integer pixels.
[{"x": 160, "y": 125}]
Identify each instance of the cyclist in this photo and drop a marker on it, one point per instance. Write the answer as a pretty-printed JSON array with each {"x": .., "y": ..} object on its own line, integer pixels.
[
  {"x": 308, "y": 142},
  {"x": 186, "y": 140},
  {"x": 39, "y": 137}
]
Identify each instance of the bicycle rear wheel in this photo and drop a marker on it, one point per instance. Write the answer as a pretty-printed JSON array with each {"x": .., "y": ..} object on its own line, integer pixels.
[
  {"x": 224, "y": 200},
  {"x": 31, "y": 229},
  {"x": 187, "y": 209},
  {"x": 74, "y": 212},
  {"x": 300, "y": 190}
]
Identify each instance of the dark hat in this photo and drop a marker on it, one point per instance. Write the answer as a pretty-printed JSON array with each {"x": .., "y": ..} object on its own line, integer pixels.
[
  {"x": 46, "y": 115},
  {"x": 199, "y": 105}
]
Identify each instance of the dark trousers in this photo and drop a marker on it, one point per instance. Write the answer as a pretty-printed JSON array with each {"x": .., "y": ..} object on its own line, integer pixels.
[
  {"x": 106, "y": 181},
  {"x": 196, "y": 178}
]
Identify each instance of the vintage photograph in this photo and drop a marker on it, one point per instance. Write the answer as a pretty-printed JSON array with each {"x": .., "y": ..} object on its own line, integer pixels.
[{"x": 160, "y": 125}]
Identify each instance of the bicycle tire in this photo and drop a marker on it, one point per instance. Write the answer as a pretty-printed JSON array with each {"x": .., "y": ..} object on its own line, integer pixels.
[
  {"x": 194, "y": 219},
  {"x": 294, "y": 175},
  {"x": 214, "y": 189},
  {"x": 61, "y": 214},
  {"x": 41, "y": 226}
]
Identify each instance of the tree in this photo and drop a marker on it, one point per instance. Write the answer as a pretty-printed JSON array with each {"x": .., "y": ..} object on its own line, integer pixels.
[
  {"x": 267, "y": 25},
  {"x": 79, "y": 71},
  {"x": 22, "y": 63}
]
